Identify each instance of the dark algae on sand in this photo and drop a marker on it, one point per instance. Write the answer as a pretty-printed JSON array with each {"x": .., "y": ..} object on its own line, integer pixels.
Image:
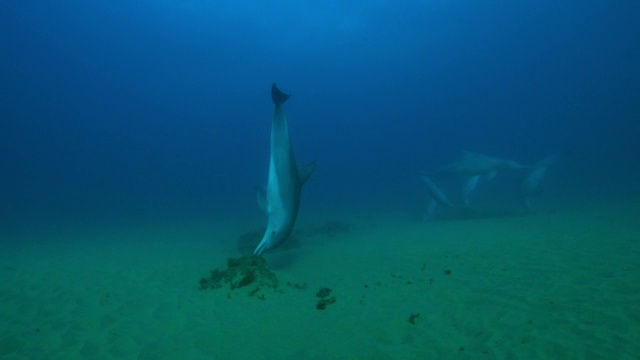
[{"x": 247, "y": 272}]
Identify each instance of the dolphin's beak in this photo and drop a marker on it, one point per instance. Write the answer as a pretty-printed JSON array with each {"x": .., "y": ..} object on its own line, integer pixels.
[{"x": 264, "y": 245}]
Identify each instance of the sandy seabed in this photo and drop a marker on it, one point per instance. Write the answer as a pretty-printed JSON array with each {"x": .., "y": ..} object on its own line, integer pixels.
[{"x": 563, "y": 285}]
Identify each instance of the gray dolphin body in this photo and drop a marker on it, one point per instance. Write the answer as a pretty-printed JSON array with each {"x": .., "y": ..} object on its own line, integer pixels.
[
  {"x": 282, "y": 199},
  {"x": 472, "y": 164},
  {"x": 531, "y": 180}
]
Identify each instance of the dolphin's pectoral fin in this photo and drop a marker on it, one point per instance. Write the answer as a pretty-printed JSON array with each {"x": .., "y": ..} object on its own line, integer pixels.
[
  {"x": 467, "y": 188},
  {"x": 262, "y": 199},
  {"x": 435, "y": 192},
  {"x": 491, "y": 175},
  {"x": 304, "y": 172}
]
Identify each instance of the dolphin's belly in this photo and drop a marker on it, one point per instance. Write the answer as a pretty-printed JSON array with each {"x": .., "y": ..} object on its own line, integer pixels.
[{"x": 281, "y": 196}]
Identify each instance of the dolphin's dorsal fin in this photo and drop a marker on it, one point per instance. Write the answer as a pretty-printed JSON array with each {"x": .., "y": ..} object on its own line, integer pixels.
[
  {"x": 262, "y": 200},
  {"x": 304, "y": 172}
]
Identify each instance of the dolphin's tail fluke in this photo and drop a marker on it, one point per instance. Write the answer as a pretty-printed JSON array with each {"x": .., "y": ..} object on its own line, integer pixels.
[{"x": 278, "y": 96}]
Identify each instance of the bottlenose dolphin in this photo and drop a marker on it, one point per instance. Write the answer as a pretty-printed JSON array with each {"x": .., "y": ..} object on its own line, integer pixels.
[
  {"x": 472, "y": 164},
  {"x": 531, "y": 180},
  {"x": 282, "y": 198}
]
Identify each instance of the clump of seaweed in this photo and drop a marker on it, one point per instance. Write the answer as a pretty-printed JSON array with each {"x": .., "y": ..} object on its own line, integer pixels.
[
  {"x": 240, "y": 273},
  {"x": 325, "y": 299},
  {"x": 323, "y": 292}
]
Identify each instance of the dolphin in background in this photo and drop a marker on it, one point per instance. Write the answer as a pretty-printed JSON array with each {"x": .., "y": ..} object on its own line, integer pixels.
[
  {"x": 531, "y": 180},
  {"x": 471, "y": 164},
  {"x": 282, "y": 198}
]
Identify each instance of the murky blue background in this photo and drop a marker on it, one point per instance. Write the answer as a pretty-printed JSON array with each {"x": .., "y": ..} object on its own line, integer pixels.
[{"x": 114, "y": 110}]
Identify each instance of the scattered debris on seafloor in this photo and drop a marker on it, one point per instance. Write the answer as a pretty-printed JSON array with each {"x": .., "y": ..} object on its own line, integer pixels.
[
  {"x": 325, "y": 299},
  {"x": 247, "y": 274}
]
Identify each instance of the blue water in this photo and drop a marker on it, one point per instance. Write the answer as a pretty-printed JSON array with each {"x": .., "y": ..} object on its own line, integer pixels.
[{"x": 161, "y": 110}]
